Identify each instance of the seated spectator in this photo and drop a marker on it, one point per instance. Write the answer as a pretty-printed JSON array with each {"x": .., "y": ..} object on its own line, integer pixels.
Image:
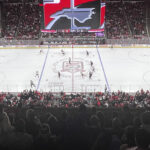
[
  {"x": 103, "y": 141},
  {"x": 142, "y": 138},
  {"x": 146, "y": 121},
  {"x": 44, "y": 140},
  {"x": 128, "y": 137},
  {"x": 5, "y": 125},
  {"x": 33, "y": 123}
]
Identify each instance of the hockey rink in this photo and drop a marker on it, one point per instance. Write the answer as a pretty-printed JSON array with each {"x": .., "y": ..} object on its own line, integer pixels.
[{"x": 126, "y": 69}]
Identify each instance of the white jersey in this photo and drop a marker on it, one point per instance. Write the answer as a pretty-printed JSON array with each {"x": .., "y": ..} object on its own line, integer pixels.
[
  {"x": 32, "y": 84},
  {"x": 37, "y": 74}
]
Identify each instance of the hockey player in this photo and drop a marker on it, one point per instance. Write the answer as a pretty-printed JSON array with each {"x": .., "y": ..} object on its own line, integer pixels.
[
  {"x": 41, "y": 52},
  {"x": 90, "y": 75},
  {"x": 62, "y": 51},
  {"x": 105, "y": 88},
  {"x": 69, "y": 60},
  {"x": 93, "y": 69},
  {"x": 37, "y": 74},
  {"x": 59, "y": 74},
  {"x": 91, "y": 63},
  {"x": 87, "y": 53},
  {"x": 82, "y": 75},
  {"x": 32, "y": 84}
]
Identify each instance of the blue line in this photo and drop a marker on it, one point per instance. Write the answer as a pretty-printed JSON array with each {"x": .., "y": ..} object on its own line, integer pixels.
[
  {"x": 42, "y": 69},
  {"x": 103, "y": 70}
]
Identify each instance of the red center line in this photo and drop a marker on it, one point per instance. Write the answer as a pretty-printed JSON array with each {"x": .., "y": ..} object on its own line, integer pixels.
[{"x": 72, "y": 71}]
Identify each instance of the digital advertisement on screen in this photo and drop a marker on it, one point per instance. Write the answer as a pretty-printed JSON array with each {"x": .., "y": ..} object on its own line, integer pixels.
[{"x": 73, "y": 16}]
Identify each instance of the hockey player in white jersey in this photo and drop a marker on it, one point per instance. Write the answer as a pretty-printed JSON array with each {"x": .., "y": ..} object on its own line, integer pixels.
[
  {"x": 32, "y": 84},
  {"x": 37, "y": 74}
]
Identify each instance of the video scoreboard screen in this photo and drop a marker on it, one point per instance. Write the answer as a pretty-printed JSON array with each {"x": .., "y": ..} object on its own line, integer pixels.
[{"x": 74, "y": 16}]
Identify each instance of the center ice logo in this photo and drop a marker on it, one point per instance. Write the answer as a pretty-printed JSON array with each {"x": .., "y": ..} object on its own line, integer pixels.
[
  {"x": 74, "y": 66},
  {"x": 73, "y": 13}
]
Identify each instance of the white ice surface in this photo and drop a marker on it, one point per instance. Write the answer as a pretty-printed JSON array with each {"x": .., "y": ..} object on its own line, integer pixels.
[{"x": 126, "y": 69}]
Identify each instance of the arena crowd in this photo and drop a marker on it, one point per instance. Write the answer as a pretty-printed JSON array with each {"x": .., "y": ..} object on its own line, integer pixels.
[
  {"x": 124, "y": 19},
  {"x": 140, "y": 99},
  {"x": 100, "y": 121}
]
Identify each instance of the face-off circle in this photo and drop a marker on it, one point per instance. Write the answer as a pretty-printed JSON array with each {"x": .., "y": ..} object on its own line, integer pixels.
[
  {"x": 66, "y": 68},
  {"x": 140, "y": 56}
]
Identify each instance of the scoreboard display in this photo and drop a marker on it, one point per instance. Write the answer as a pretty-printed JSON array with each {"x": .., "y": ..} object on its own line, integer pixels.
[{"x": 73, "y": 15}]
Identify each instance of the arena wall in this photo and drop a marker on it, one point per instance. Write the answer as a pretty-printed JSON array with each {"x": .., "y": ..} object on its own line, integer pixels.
[{"x": 70, "y": 46}]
